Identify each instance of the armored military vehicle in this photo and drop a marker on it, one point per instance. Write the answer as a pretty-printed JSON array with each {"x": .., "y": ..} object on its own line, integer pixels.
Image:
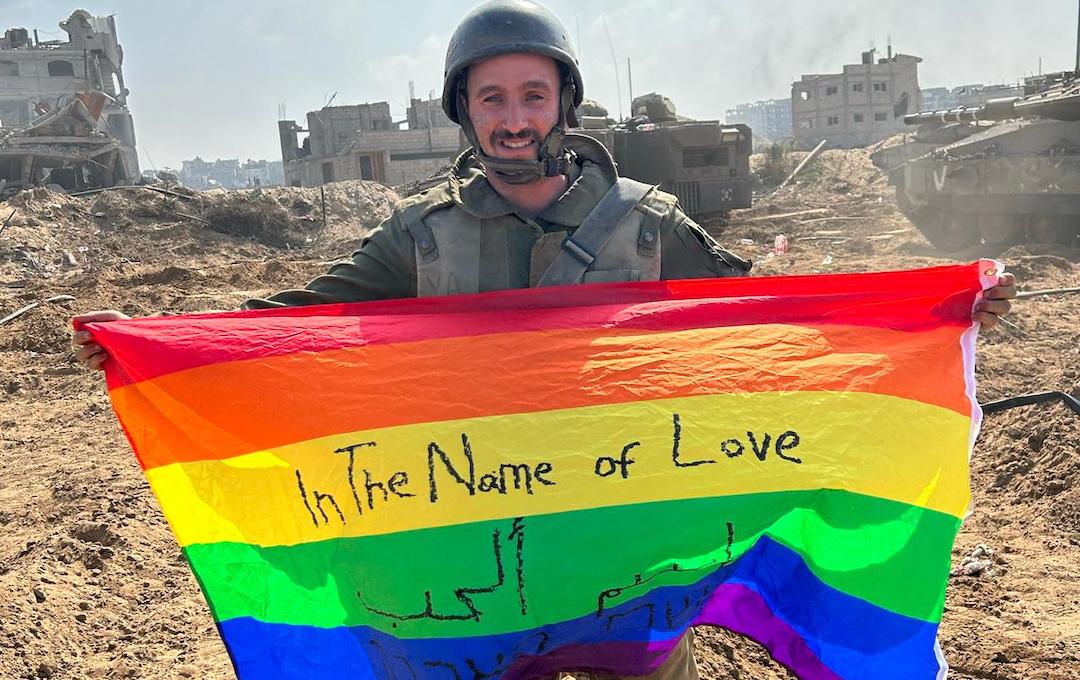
[
  {"x": 706, "y": 164},
  {"x": 1003, "y": 173}
]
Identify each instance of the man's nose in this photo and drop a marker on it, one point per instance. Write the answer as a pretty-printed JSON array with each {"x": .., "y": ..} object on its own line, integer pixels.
[{"x": 515, "y": 120}]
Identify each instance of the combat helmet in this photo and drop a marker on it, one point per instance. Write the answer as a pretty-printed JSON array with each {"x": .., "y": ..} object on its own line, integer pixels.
[{"x": 507, "y": 27}]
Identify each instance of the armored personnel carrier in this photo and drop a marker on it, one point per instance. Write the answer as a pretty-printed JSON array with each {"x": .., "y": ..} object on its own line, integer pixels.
[
  {"x": 704, "y": 163},
  {"x": 1000, "y": 174}
]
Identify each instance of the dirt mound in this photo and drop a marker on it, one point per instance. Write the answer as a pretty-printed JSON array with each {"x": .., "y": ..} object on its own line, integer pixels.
[
  {"x": 832, "y": 171},
  {"x": 92, "y": 584}
]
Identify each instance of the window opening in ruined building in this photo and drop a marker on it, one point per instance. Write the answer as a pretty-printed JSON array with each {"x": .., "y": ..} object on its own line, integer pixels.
[
  {"x": 831, "y": 90},
  {"x": 705, "y": 156},
  {"x": 879, "y": 117},
  {"x": 879, "y": 87},
  {"x": 8, "y": 68},
  {"x": 328, "y": 172},
  {"x": 804, "y": 95},
  {"x": 857, "y": 87},
  {"x": 859, "y": 118},
  {"x": 806, "y": 124},
  {"x": 366, "y": 170},
  {"x": 61, "y": 68},
  {"x": 833, "y": 120}
]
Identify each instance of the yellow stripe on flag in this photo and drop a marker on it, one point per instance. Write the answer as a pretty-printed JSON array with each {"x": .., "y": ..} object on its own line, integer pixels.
[{"x": 571, "y": 460}]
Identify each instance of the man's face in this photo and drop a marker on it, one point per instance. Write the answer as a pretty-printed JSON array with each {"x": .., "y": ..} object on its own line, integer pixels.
[{"x": 513, "y": 103}]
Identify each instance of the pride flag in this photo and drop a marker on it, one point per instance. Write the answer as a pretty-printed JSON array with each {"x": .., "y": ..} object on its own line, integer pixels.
[{"x": 509, "y": 484}]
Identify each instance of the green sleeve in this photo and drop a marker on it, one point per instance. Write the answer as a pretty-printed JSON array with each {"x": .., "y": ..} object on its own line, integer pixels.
[
  {"x": 383, "y": 268},
  {"x": 687, "y": 251}
]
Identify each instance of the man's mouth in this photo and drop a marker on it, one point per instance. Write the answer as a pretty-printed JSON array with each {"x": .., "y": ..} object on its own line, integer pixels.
[{"x": 516, "y": 143}]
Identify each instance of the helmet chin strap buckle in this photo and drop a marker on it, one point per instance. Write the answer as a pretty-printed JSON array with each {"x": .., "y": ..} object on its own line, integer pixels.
[{"x": 522, "y": 171}]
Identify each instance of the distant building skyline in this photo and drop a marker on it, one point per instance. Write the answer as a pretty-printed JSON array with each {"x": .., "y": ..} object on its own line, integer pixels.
[
  {"x": 769, "y": 119},
  {"x": 229, "y": 173}
]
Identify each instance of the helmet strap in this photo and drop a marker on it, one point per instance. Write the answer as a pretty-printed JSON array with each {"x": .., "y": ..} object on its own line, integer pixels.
[{"x": 553, "y": 158}]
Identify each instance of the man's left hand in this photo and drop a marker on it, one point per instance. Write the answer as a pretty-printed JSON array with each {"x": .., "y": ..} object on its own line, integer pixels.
[{"x": 995, "y": 303}]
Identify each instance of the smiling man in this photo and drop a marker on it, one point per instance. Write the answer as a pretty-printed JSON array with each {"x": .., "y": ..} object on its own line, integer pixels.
[{"x": 503, "y": 218}]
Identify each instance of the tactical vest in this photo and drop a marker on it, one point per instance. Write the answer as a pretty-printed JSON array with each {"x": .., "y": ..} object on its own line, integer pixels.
[{"x": 447, "y": 241}]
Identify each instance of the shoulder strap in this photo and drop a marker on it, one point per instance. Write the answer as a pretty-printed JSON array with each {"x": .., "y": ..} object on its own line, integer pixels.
[
  {"x": 413, "y": 211},
  {"x": 579, "y": 250}
]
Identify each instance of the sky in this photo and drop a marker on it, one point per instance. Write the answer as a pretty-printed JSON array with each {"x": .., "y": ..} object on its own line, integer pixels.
[{"x": 207, "y": 78}]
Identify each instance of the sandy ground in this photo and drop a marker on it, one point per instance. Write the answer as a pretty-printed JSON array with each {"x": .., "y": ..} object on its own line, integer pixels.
[{"x": 92, "y": 584}]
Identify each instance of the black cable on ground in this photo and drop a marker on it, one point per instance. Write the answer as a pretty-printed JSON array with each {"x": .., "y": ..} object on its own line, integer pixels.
[{"x": 1029, "y": 399}]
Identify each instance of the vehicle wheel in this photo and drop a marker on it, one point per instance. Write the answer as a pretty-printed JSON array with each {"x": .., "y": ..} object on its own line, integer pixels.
[
  {"x": 1046, "y": 229},
  {"x": 1001, "y": 231},
  {"x": 950, "y": 231}
]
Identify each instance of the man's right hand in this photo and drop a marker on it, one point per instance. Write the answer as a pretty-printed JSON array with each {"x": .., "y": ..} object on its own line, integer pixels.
[{"x": 89, "y": 352}]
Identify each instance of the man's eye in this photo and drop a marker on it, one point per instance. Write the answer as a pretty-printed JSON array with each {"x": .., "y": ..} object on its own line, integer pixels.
[
  {"x": 535, "y": 97},
  {"x": 493, "y": 99}
]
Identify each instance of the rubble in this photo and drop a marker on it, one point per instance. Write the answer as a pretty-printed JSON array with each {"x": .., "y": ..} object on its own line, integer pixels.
[
  {"x": 65, "y": 149},
  {"x": 64, "y": 121}
]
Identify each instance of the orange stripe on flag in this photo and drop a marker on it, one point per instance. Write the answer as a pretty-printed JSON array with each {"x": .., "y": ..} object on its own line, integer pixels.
[{"x": 235, "y": 408}]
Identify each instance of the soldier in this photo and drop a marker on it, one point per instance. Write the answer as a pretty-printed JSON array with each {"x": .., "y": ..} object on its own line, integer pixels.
[{"x": 528, "y": 205}]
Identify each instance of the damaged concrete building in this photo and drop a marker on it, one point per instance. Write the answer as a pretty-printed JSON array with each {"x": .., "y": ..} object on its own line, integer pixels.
[
  {"x": 862, "y": 105},
  {"x": 364, "y": 142},
  {"x": 63, "y": 108}
]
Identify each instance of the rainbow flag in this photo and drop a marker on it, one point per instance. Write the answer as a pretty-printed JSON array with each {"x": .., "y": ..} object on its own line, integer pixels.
[{"x": 509, "y": 484}]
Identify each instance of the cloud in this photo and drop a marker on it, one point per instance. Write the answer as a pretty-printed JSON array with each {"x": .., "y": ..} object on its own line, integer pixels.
[{"x": 390, "y": 74}]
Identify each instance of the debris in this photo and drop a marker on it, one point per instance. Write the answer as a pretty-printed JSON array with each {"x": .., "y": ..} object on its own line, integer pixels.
[
  {"x": 67, "y": 148},
  {"x": 192, "y": 217},
  {"x": 1029, "y": 399},
  {"x": 1048, "y": 291},
  {"x": 19, "y": 312},
  {"x": 780, "y": 244},
  {"x": 148, "y": 187},
  {"x": 812, "y": 211},
  {"x": 7, "y": 221},
  {"x": 803, "y": 164},
  {"x": 835, "y": 219},
  {"x": 975, "y": 563}
]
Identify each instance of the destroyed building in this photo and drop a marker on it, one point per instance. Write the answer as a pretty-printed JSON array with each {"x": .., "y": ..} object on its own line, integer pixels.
[
  {"x": 63, "y": 108},
  {"x": 864, "y": 104},
  {"x": 364, "y": 142}
]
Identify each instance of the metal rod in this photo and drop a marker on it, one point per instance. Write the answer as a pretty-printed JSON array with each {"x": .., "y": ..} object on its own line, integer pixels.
[
  {"x": 1076, "y": 71},
  {"x": 615, "y": 63},
  {"x": 630, "y": 82},
  {"x": 1047, "y": 291},
  {"x": 798, "y": 168},
  {"x": 1030, "y": 399},
  {"x": 322, "y": 197},
  {"x": 7, "y": 221}
]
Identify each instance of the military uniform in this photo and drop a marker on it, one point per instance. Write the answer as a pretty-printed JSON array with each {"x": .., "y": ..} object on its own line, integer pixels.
[{"x": 463, "y": 237}]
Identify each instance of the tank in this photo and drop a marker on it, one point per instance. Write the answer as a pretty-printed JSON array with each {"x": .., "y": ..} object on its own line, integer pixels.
[
  {"x": 996, "y": 175},
  {"x": 705, "y": 163}
]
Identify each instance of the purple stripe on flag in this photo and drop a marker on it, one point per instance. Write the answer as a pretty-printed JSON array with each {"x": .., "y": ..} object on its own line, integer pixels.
[{"x": 732, "y": 606}]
